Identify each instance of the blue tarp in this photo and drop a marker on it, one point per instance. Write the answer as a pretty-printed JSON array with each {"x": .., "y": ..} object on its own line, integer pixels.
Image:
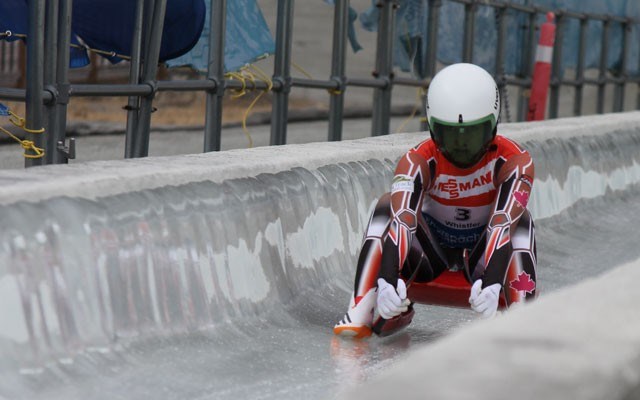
[
  {"x": 247, "y": 38},
  {"x": 108, "y": 25},
  {"x": 351, "y": 32},
  {"x": 411, "y": 33}
]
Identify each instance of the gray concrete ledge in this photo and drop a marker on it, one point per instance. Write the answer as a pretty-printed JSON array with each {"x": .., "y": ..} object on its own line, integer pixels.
[{"x": 582, "y": 342}]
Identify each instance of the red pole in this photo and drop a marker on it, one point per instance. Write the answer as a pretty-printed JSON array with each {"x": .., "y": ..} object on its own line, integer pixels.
[{"x": 542, "y": 70}]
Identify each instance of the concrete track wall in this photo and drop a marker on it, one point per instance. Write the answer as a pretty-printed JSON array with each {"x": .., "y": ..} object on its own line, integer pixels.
[
  {"x": 582, "y": 342},
  {"x": 92, "y": 253}
]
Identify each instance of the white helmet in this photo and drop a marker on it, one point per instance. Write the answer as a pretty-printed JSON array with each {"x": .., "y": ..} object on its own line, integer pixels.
[{"x": 463, "y": 105}]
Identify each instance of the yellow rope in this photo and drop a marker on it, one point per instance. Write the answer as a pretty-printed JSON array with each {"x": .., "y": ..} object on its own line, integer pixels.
[
  {"x": 249, "y": 73},
  {"x": 299, "y": 68},
  {"x": 239, "y": 77},
  {"x": 419, "y": 92},
  {"x": 21, "y": 123},
  {"x": 27, "y": 145},
  {"x": 262, "y": 75}
]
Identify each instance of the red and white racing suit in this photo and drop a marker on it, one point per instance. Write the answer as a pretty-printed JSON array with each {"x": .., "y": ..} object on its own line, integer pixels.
[{"x": 439, "y": 216}]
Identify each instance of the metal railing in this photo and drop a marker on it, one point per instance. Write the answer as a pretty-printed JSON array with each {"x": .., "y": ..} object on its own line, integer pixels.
[{"x": 48, "y": 91}]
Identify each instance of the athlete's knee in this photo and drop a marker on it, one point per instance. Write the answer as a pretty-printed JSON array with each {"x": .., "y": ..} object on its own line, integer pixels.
[
  {"x": 380, "y": 218},
  {"x": 384, "y": 202},
  {"x": 524, "y": 235}
]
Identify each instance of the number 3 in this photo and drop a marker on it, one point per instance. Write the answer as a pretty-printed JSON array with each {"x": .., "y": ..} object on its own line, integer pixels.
[{"x": 462, "y": 214}]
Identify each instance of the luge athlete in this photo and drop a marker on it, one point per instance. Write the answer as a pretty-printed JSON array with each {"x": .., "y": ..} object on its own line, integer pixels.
[{"x": 458, "y": 198}]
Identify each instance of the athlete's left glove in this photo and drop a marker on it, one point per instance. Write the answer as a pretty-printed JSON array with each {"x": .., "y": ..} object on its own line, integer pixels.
[
  {"x": 485, "y": 301},
  {"x": 392, "y": 301}
]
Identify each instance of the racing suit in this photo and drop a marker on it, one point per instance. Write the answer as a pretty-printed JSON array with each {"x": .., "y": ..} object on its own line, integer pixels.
[{"x": 439, "y": 216}]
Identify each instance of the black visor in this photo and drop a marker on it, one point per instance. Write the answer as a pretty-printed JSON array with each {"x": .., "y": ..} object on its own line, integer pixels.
[{"x": 463, "y": 144}]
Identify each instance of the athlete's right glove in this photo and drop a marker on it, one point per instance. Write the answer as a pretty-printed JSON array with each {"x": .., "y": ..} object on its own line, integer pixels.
[
  {"x": 485, "y": 301},
  {"x": 392, "y": 301}
]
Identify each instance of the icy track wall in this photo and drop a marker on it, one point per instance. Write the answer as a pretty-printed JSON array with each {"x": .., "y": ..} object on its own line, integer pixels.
[{"x": 94, "y": 253}]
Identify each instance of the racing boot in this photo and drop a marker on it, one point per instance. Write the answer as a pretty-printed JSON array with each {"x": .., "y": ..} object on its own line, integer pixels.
[{"x": 357, "y": 321}]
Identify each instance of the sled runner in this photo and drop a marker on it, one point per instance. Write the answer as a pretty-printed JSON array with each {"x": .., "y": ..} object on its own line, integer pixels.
[{"x": 385, "y": 327}]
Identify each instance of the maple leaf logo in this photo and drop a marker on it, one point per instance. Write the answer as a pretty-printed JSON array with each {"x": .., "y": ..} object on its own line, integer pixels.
[
  {"x": 522, "y": 197},
  {"x": 523, "y": 283}
]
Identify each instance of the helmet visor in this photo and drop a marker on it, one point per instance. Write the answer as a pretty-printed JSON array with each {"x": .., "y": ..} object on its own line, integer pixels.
[{"x": 463, "y": 144}]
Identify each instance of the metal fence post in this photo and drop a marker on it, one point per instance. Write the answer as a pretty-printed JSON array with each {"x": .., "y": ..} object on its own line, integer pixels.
[
  {"x": 50, "y": 55},
  {"x": 58, "y": 135},
  {"x": 384, "y": 67},
  {"x": 215, "y": 73},
  {"x": 501, "y": 13},
  {"x": 618, "y": 97},
  {"x": 469, "y": 31},
  {"x": 638, "y": 88},
  {"x": 282, "y": 72},
  {"x": 133, "y": 103},
  {"x": 336, "y": 101},
  {"x": 603, "y": 65},
  {"x": 49, "y": 47},
  {"x": 141, "y": 148},
  {"x": 582, "y": 47},
  {"x": 432, "y": 53},
  {"x": 527, "y": 61},
  {"x": 35, "y": 76},
  {"x": 556, "y": 67}
]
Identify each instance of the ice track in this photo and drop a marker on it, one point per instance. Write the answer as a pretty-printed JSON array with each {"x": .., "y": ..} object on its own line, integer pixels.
[{"x": 193, "y": 283}]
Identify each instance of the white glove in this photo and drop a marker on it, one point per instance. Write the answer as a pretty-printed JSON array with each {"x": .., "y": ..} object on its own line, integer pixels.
[
  {"x": 485, "y": 301},
  {"x": 392, "y": 301}
]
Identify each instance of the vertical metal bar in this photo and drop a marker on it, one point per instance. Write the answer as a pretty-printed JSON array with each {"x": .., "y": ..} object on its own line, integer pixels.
[
  {"x": 501, "y": 13},
  {"x": 432, "y": 53},
  {"x": 282, "y": 72},
  {"x": 384, "y": 68},
  {"x": 469, "y": 31},
  {"x": 527, "y": 65},
  {"x": 22, "y": 64},
  {"x": 618, "y": 97},
  {"x": 556, "y": 67},
  {"x": 603, "y": 65},
  {"x": 134, "y": 76},
  {"x": 50, "y": 55},
  {"x": 62, "y": 81},
  {"x": 638, "y": 88},
  {"x": 14, "y": 46},
  {"x": 582, "y": 48},
  {"x": 141, "y": 145},
  {"x": 3, "y": 55},
  {"x": 336, "y": 101},
  {"x": 50, "y": 40},
  {"x": 14, "y": 55},
  {"x": 147, "y": 24},
  {"x": 215, "y": 72},
  {"x": 35, "y": 76},
  {"x": 432, "y": 37}
]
